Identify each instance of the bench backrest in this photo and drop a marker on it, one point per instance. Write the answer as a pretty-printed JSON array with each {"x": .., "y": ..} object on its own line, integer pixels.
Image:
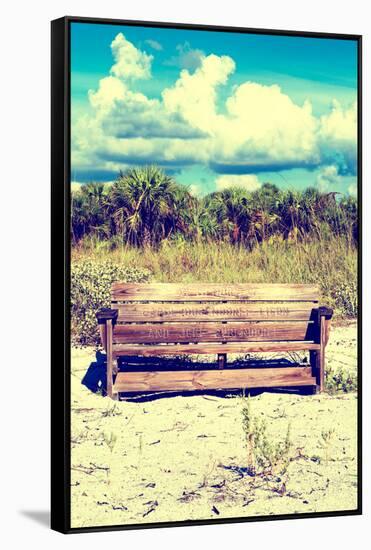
[{"x": 183, "y": 313}]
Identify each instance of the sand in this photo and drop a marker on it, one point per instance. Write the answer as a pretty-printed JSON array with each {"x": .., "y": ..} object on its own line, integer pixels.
[{"x": 185, "y": 457}]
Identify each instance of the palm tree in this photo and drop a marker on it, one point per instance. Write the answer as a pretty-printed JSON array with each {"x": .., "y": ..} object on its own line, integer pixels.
[
  {"x": 143, "y": 202},
  {"x": 205, "y": 221},
  {"x": 263, "y": 203},
  {"x": 185, "y": 211},
  {"x": 90, "y": 207},
  {"x": 230, "y": 209}
]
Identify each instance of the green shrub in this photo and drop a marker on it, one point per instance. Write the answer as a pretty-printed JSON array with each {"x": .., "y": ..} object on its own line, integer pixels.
[
  {"x": 340, "y": 381},
  {"x": 90, "y": 290},
  {"x": 263, "y": 455},
  {"x": 346, "y": 298}
]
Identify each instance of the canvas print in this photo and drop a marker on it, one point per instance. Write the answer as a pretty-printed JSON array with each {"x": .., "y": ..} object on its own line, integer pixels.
[{"x": 214, "y": 274}]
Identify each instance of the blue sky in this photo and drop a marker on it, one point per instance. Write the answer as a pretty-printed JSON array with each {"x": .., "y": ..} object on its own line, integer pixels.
[{"x": 214, "y": 109}]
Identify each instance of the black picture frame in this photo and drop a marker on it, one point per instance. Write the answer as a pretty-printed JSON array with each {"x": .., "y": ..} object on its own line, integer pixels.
[{"x": 60, "y": 272}]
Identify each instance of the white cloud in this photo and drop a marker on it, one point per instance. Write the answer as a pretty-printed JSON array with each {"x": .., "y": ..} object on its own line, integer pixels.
[
  {"x": 110, "y": 90},
  {"x": 154, "y": 44},
  {"x": 327, "y": 177},
  {"x": 193, "y": 96},
  {"x": 340, "y": 124},
  {"x": 123, "y": 113},
  {"x": 264, "y": 126},
  {"x": 337, "y": 136},
  {"x": 130, "y": 62},
  {"x": 258, "y": 126},
  {"x": 249, "y": 182},
  {"x": 141, "y": 150}
]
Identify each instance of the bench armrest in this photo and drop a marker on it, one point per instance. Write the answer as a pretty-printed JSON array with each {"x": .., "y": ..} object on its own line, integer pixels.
[
  {"x": 326, "y": 312},
  {"x": 105, "y": 313}
]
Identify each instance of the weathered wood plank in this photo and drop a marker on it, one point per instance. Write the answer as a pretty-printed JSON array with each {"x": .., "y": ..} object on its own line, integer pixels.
[
  {"x": 212, "y": 332},
  {"x": 202, "y": 349},
  {"x": 255, "y": 311},
  {"x": 213, "y": 379},
  {"x": 212, "y": 292}
]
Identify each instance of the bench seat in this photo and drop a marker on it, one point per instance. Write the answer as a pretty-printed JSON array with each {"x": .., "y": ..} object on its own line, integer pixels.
[{"x": 213, "y": 379}]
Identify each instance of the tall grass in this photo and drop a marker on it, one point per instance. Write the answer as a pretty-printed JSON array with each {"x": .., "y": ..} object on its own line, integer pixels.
[{"x": 331, "y": 263}]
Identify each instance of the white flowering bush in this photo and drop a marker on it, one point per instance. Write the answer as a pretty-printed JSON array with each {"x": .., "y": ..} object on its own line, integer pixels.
[{"x": 91, "y": 289}]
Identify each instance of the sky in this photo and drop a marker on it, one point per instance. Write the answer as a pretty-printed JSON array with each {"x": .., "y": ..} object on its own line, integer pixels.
[{"x": 214, "y": 109}]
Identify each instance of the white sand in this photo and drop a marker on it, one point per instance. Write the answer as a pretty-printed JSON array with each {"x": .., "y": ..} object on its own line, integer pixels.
[{"x": 177, "y": 458}]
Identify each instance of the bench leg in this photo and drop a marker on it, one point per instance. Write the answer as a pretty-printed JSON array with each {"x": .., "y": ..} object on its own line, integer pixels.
[
  {"x": 115, "y": 369},
  {"x": 109, "y": 357},
  {"x": 317, "y": 362},
  {"x": 317, "y": 358},
  {"x": 313, "y": 364},
  {"x": 323, "y": 341},
  {"x": 222, "y": 360}
]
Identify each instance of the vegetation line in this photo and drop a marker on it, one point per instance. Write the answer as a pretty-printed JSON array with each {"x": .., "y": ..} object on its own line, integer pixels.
[{"x": 144, "y": 206}]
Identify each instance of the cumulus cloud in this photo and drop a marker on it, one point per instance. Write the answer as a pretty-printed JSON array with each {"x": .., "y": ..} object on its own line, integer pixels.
[
  {"x": 130, "y": 61},
  {"x": 124, "y": 113},
  {"x": 249, "y": 182},
  {"x": 264, "y": 126},
  {"x": 193, "y": 96},
  {"x": 328, "y": 177},
  {"x": 127, "y": 114},
  {"x": 110, "y": 90},
  {"x": 338, "y": 137},
  {"x": 340, "y": 124},
  {"x": 257, "y": 128}
]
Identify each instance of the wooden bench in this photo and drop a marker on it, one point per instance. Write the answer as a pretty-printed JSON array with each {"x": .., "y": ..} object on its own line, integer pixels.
[{"x": 175, "y": 319}]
